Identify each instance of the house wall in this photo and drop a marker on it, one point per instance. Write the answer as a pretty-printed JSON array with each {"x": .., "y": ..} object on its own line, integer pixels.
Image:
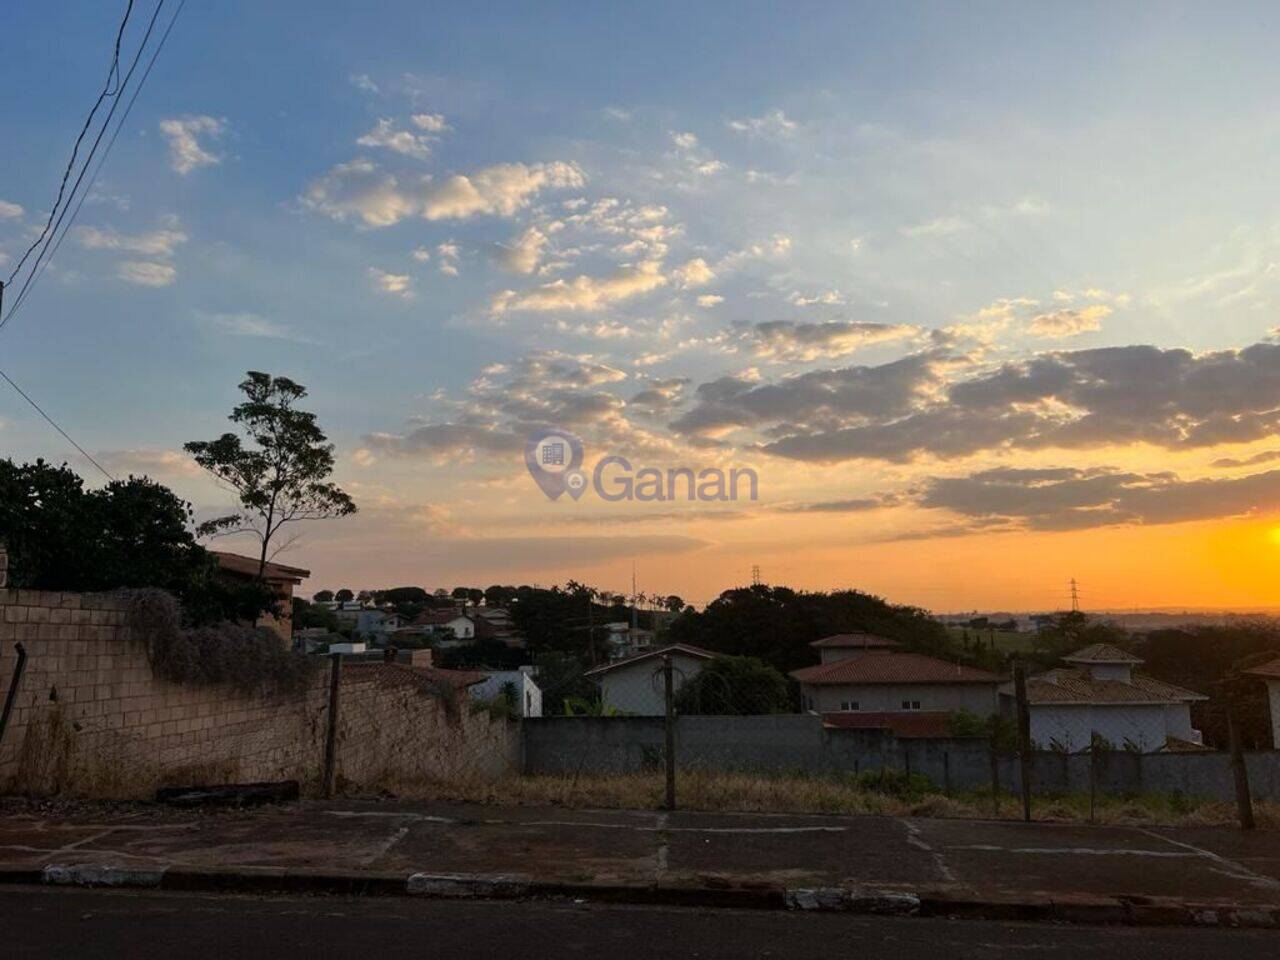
[
  {"x": 1071, "y": 726},
  {"x": 832, "y": 654},
  {"x": 1120, "y": 672},
  {"x": 977, "y": 698},
  {"x": 638, "y": 689},
  {"x": 90, "y": 719},
  {"x": 527, "y": 691}
]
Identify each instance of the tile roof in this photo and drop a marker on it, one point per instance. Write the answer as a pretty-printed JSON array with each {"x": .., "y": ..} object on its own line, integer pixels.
[
  {"x": 885, "y": 666},
  {"x": 860, "y": 641},
  {"x": 1065, "y": 685},
  {"x": 686, "y": 648},
  {"x": 1101, "y": 653},
  {"x": 1271, "y": 670},
  {"x": 903, "y": 724}
]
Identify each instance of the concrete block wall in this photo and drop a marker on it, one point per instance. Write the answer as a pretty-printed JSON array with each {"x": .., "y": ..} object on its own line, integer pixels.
[
  {"x": 799, "y": 744},
  {"x": 90, "y": 719}
]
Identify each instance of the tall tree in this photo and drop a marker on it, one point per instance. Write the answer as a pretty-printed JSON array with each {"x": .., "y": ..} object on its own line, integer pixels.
[{"x": 281, "y": 475}]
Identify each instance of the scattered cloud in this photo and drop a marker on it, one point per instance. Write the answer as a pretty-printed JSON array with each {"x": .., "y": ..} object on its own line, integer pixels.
[
  {"x": 397, "y": 284},
  {"x": 252, "y": 325},
  {"x": 585, "y": 292},
  {"x": 10, "y": 211},
  {"x": 695, "y": 273},
  {"x": 774, "y": 123},
  {"x": 1069, "y": 323},
  {"x": 155, "y": 243},
  {"x": 785, "y": 341},
  {"x": 709, "y": 300},
  {"x": 522, "y": 254},
  {"x": 184, "y": 134},
  {"x": 405, "y": 142},
  {"x": 150, "y": 463},
  {"x": 938, "y": 227},
  {"x": 430, "y": 122},
  {"x": 146, "y": 273},
  {"x": 362, "y": 81},
  {"x": 1267, "y": 456},
  {"x": 447, "y": 257}
]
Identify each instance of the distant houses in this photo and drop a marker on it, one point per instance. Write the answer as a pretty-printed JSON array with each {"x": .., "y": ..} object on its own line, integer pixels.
[
  {"x": 635, "y": 684},
  {"x": 1098, "y": 692},
  {"x": 868, "y": 681}
]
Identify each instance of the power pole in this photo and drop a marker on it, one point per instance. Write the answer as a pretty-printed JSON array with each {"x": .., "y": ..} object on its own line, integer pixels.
[
  {"x": 1075, "y": 596},
  {"x": 755, "y": 574}
]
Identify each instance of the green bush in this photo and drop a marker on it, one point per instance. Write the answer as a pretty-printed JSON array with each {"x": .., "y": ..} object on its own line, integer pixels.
[{"x": 894, "y": 783}]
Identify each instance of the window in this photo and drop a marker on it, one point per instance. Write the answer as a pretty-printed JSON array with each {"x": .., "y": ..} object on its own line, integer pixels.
[
  {"x": 910, "y": 704},
  {"x": 848, "y": 705}
]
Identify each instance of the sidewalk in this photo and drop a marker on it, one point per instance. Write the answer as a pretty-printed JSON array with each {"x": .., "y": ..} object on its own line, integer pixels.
[{"x": 1210, "y": 876}]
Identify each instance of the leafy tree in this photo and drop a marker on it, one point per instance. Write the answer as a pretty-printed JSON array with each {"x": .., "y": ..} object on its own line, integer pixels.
[
  {"x": 673, "y": 603},
  {"x": 735, "y": 686},
  {"x": 322, "y": 596},
  {"x": 1069, "y": 631},
  {"x": 344, "y": 596},
  {"x": 128, "y": 534},
  {"x": 281, "y": 475},
  {"x": 307, "y": 615}
]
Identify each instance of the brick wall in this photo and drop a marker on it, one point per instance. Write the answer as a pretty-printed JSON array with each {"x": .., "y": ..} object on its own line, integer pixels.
[{"x": 91, "y": 720}]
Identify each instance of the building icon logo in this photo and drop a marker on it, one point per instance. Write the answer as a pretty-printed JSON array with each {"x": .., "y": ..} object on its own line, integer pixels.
[{"x": 554, "y": 459}]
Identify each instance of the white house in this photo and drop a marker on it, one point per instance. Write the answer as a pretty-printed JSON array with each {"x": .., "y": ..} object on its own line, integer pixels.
[
  {"x": 635, "y": 685},
  {"x": 528, "y": 693},
  {"x": 1098, "y": 693},
  {"x": 866, "y": 674},
  {"x": 1270, "y": 674}
]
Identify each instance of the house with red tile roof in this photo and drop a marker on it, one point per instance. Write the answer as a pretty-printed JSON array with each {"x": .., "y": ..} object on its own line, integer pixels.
[
  {"x": 281, "y": 577},
  {"x": 842, "y": 646},
  {"x": 1098, "y": 692},
  {"x": 883, "y": 680}
]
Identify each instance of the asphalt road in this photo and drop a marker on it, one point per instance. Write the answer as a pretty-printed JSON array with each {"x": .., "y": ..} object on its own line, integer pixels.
[{"x": 38, "y": 922}]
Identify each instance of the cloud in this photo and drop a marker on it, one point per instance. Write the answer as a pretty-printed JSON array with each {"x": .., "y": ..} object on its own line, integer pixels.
[
  {"x": 856, "y": 505},
  {"x": 774, "y": 123},
  {"x": 499, "y": 190},
  {"x": 522, "y": 254},
  {"x": 695, "y": 273},
  {"x": 362, "y": 81},
  {"x": 787, "y": 341},
  {"x": 421, "y": 254},
  {"x": 183, "y": 135},
  {"x": 661, "y": 397},
  {"x": 447, "y": 256},
  {"x": 1267, "y": 456},
  {"x": 397, "y": 284},
  {"x": 444, "y": 440},
  {"x": 709, "y": 300},
  {"x": 1069, "y": 323},
  {"x": 156, "y": 243},
  {"x": 10, "y": 211},
  {"x": 252, "y": 325},
  {"x": 1083, "y": 399},
  {"x": 430, "y": 122},
  {"x": 146, "y": 273},
  {"x": 584, "y": 292},
  {"x": 826, "y": 298},
  {"x": 152, "y": 463},
  {"x": 405, "y": 142},
  {"x": 685, "y": 141},
  {"x": 1073, "y": 499},
  {"x": 938, "y": 227},
  {"x": 360, "y": 190}
]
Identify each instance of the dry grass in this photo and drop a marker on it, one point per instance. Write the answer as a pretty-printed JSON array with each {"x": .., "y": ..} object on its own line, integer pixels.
[{"x": 702, "y": 790}]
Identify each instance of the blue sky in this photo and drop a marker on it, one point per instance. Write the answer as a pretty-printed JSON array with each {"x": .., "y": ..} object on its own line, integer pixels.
[{"x": 651, "y": 226}]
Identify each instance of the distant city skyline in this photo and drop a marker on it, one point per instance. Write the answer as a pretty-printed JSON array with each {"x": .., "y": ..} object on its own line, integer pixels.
[{"x": 986, "y": 296}]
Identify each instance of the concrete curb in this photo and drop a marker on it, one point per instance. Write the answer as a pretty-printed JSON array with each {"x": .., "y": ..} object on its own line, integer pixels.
[{"x": 1085, "y": 909}]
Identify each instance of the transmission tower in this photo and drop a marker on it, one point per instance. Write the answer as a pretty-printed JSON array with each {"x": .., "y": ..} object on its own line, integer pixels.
[
  {"x": 755, "y": 574},
  {"x": 1075, "y": 596}
]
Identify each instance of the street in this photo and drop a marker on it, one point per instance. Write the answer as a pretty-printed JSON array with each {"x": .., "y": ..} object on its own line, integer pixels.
[{"x": 41, "y": 923}]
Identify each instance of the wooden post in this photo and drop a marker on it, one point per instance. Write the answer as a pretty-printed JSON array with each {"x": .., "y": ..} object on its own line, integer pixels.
[
  {"x": 668, "y": 685},
  {"x": 1094, "y": 739},
  {"x": 1024, "y": 737},
  {"x": 331, "y": 734},
  {"x": 1244, "y": 800}
]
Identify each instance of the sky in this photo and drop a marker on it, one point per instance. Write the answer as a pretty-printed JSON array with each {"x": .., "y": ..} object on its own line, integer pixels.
[{"x": 985, "y": 295}]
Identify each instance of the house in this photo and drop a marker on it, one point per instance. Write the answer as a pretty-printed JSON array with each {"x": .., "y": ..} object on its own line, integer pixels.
[
  {"x": 280, "y": 577},
  {"x": 843, "y": 646},
  {"x": 1269, "y": 673},
  {"x": 863, "y": 673},
  {"x": 527, "y": 693},
  {"x": 463, "y": 626},
  {"x": 495, "y": 623},
  {"x": 1098, "y": 692},
  {"x": 623, "y": 640},
  {"x": 635, "y": 685}
]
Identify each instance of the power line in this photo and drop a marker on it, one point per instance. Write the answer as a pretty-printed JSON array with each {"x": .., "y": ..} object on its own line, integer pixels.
[
  {"x": 38, "y": 268},
  {"x": 112, "y": 74},
  {"x": 53, "y": 423}
]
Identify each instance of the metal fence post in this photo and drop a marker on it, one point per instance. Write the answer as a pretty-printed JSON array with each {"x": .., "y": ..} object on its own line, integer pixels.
[
  {"x": 1024, "y": 738},
  {"x": 1244, "y": 800},
  {"x": 668, "y": 685},
  {"x": 1094, "y": 741},
  {"x": 993, "y": 757},
  {"x": 331, "y": 734}
]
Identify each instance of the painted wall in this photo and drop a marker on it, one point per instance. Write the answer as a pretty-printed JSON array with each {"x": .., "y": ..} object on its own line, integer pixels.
[
  {"x": 1071, "y": 726},
  {"x": 638, "y": 689},
  {"x": 1273, "y": 695},
  {"x": 528, "y": 693},
  {"x": 976, "y": 697}
]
